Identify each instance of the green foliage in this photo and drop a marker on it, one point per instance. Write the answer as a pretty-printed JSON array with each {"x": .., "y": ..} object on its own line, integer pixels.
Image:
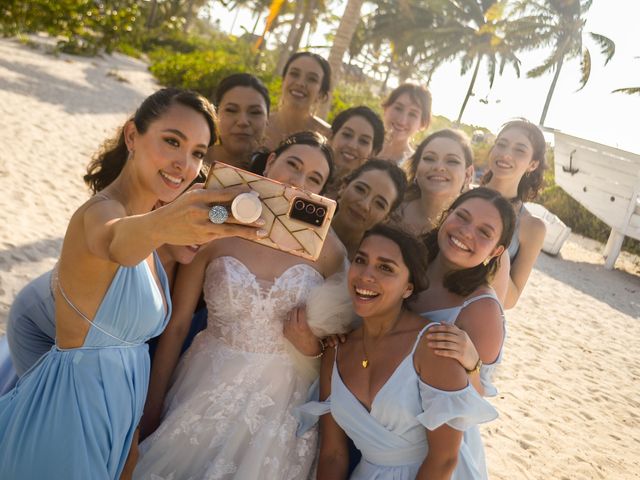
[
  {"x": 202, "y": 70},
  {"x": 347, "y": 95},
  {"x": 82, "y": 26}
]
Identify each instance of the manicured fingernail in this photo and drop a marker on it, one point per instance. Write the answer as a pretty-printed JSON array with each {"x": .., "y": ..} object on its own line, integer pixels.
[
  {"x": 262, "y": 232},
  {"x": 261, "y": 222}
]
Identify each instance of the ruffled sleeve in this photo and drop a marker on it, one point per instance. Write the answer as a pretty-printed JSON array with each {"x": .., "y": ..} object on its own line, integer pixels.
[
  {"x": 308, "y": 413},
  {"x": 459, "y": 409}
]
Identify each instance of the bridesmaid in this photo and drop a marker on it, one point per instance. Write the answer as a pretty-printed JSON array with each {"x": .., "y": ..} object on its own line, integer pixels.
[
  {"x": 406, "y": 112},
  {"x": 440, "y": 169},
  {"x": 306, "y": 81},
  {"x": 516, "y": 170},
  {"x": 404, "y": 407},
  {"x": 369, "y": 194},
  {"x": 242, "y": 104},
  {"x": 76, "y": 411},
  {"x": 464, "y": 252}
]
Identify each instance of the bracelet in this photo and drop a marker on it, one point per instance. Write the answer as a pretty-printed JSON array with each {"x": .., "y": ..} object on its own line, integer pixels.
[
  {"x": 323, "y": 347},
  {"x": 475, "y": 369}
]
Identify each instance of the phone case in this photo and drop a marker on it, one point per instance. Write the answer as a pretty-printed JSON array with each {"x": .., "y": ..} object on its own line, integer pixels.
[{"x": 297, "y": 221}]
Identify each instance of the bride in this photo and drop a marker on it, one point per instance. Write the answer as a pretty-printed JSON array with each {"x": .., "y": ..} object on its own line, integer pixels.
[{"x": 228, "y": 410}]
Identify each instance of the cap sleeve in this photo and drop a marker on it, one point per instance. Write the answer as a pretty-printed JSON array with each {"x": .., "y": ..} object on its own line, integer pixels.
[
  {"x": 459, "y": 409},
  {"x": 308, "y": 413}
]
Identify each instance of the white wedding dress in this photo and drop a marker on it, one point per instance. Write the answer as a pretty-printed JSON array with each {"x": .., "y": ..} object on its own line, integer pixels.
[{"x": 228, "y": 413}]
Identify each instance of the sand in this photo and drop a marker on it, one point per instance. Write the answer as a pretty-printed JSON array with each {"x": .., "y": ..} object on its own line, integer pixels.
[{"x": 569, "y": 400}]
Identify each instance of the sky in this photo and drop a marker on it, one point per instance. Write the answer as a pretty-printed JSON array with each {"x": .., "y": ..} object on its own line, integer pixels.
[{"x": 592, "y": 113}]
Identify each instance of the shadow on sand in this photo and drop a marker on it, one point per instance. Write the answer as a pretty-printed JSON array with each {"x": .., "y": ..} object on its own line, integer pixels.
[{"x": 589, "y": 278}]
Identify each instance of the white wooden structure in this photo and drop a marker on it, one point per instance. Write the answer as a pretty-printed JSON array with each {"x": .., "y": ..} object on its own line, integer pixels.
[
  {"x": 557, "y": 232},
  {"x": 606, "y": 181}
]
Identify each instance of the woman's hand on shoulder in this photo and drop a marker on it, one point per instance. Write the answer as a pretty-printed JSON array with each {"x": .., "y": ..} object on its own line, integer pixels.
[
  {"x": 452, "y": 342},
  {"x": 440, "y": 372}
]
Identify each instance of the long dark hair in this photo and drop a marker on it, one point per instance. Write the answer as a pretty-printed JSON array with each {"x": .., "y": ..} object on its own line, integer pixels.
[
  {"x": 531, "y": 182},
  {"x": 313, "y": 139},
  {"x": 325, "y": 84},
  {"x": 107, "y": 164},
  {"x": 370, "y": 116},
  {"x": 241, "y": 80},
  {"x": 466, "y": 281},
  {"x": 395, "y": 173}
]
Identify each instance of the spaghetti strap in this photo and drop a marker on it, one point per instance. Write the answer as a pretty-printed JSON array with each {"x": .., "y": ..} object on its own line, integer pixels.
[
  {"x": 85, "y": 318},
  {"x": 490, "y": 295},
  {"x": 427, "y": 327}
]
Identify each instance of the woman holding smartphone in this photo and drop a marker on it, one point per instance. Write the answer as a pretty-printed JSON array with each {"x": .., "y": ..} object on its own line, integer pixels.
[
  {"x": 227, "y": 413},
  {"x": 74, "y": 414}
]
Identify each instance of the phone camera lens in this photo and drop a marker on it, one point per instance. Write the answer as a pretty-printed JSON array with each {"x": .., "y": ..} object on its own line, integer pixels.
[
  {"x": 321, "y": 212},
  {"x": 310, "y": 209},
  {"x": 299, "y": 205}
]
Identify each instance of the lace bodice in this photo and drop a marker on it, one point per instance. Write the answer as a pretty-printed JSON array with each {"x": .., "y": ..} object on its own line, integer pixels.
[{"x": 246, "y": 312}]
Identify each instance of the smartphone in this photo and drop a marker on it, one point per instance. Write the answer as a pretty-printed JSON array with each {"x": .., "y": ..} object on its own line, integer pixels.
[{"x": 298, "y": 221}]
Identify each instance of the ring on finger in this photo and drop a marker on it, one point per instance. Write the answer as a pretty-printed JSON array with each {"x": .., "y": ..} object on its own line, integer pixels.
[{"x": 218, "y": 214}]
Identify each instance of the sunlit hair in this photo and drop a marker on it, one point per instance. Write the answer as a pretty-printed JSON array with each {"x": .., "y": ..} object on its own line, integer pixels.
[
  {"x": 531, "y": 182},
  {"x": 310, "y": 138},
  {"x": 109, "y": 161},
  {"x": 370, "y": 116},
  {"x": 241, "y": 80},
  {"x": 325, "y": 83},
  {"x": 395, "y": 173},
  {"x": 420, "y": 95},
  {"x": 466, "y": 281},
  {"x": 414, "y": 254}
]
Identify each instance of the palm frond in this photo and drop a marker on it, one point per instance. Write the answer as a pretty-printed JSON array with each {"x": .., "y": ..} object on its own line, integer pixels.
[
  {"x": 628, "y": 91},
  {"x": 607, "y": 46},
  {"x": 585, "y": 67}
]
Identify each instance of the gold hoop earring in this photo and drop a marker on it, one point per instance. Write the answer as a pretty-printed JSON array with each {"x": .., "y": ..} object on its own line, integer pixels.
[{"x": 486, "y": 261}]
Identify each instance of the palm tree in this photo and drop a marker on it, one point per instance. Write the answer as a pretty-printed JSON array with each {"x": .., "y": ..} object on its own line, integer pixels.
[
  {"x": 473, "y": 31},
  {"x": 561, "y": 24},
  {"x": 342, "y": 40}
]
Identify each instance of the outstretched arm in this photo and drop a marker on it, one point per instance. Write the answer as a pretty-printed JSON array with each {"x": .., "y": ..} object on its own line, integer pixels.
[{"x": 127, "y": 240}]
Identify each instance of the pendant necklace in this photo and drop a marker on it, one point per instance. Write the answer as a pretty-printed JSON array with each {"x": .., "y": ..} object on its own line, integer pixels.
[{"x": 365, "y": 360}]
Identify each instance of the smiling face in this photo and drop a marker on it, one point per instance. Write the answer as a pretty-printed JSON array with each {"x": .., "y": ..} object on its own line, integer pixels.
[
  {"x": 512, "y": 155},
  {"x": 442, "y": 170},
  {"x": 302, "y": 83},
  {"x": 367, "y": 200},
  {"x": 470, "y": 233},
  {"x": 378, "y": 278},
  {"x": 352, "y": 144},
  {"x": 402, "y": 119},
  {"x": 242, "y": 119},
  {"x": 302, "y": 166},
  {"x": 168, "y": 156}
]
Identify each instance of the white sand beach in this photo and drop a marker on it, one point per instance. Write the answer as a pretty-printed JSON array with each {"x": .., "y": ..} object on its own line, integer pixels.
[{"x": 569, "y": 399}]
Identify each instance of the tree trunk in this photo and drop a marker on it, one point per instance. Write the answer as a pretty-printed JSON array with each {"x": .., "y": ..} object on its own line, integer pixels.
[
  {"x": 470, "y": 91},
  {"x": 188, "y": 16},
  {"x": 383, "y": 87},
  {"x": 341, "y": 42},
  {"x": 551, "y": 90},
  {"x": 286, "y": 51},
  {"x": 151, "y": 19}
]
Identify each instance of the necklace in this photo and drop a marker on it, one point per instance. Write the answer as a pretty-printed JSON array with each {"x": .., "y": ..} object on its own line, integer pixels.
[{"x": 365, "y": 360}]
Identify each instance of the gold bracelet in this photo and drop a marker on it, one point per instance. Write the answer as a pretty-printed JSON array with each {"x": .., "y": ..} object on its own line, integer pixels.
[{"x": 475, "y": 369}]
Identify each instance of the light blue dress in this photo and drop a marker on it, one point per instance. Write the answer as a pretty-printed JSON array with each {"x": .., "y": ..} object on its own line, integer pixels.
[
  {"x": 392, "y": 437},
  {"x": 31, "y": 328},
  {"x": 74, "y": 413},
  {"x": 471, "y": 460}
]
